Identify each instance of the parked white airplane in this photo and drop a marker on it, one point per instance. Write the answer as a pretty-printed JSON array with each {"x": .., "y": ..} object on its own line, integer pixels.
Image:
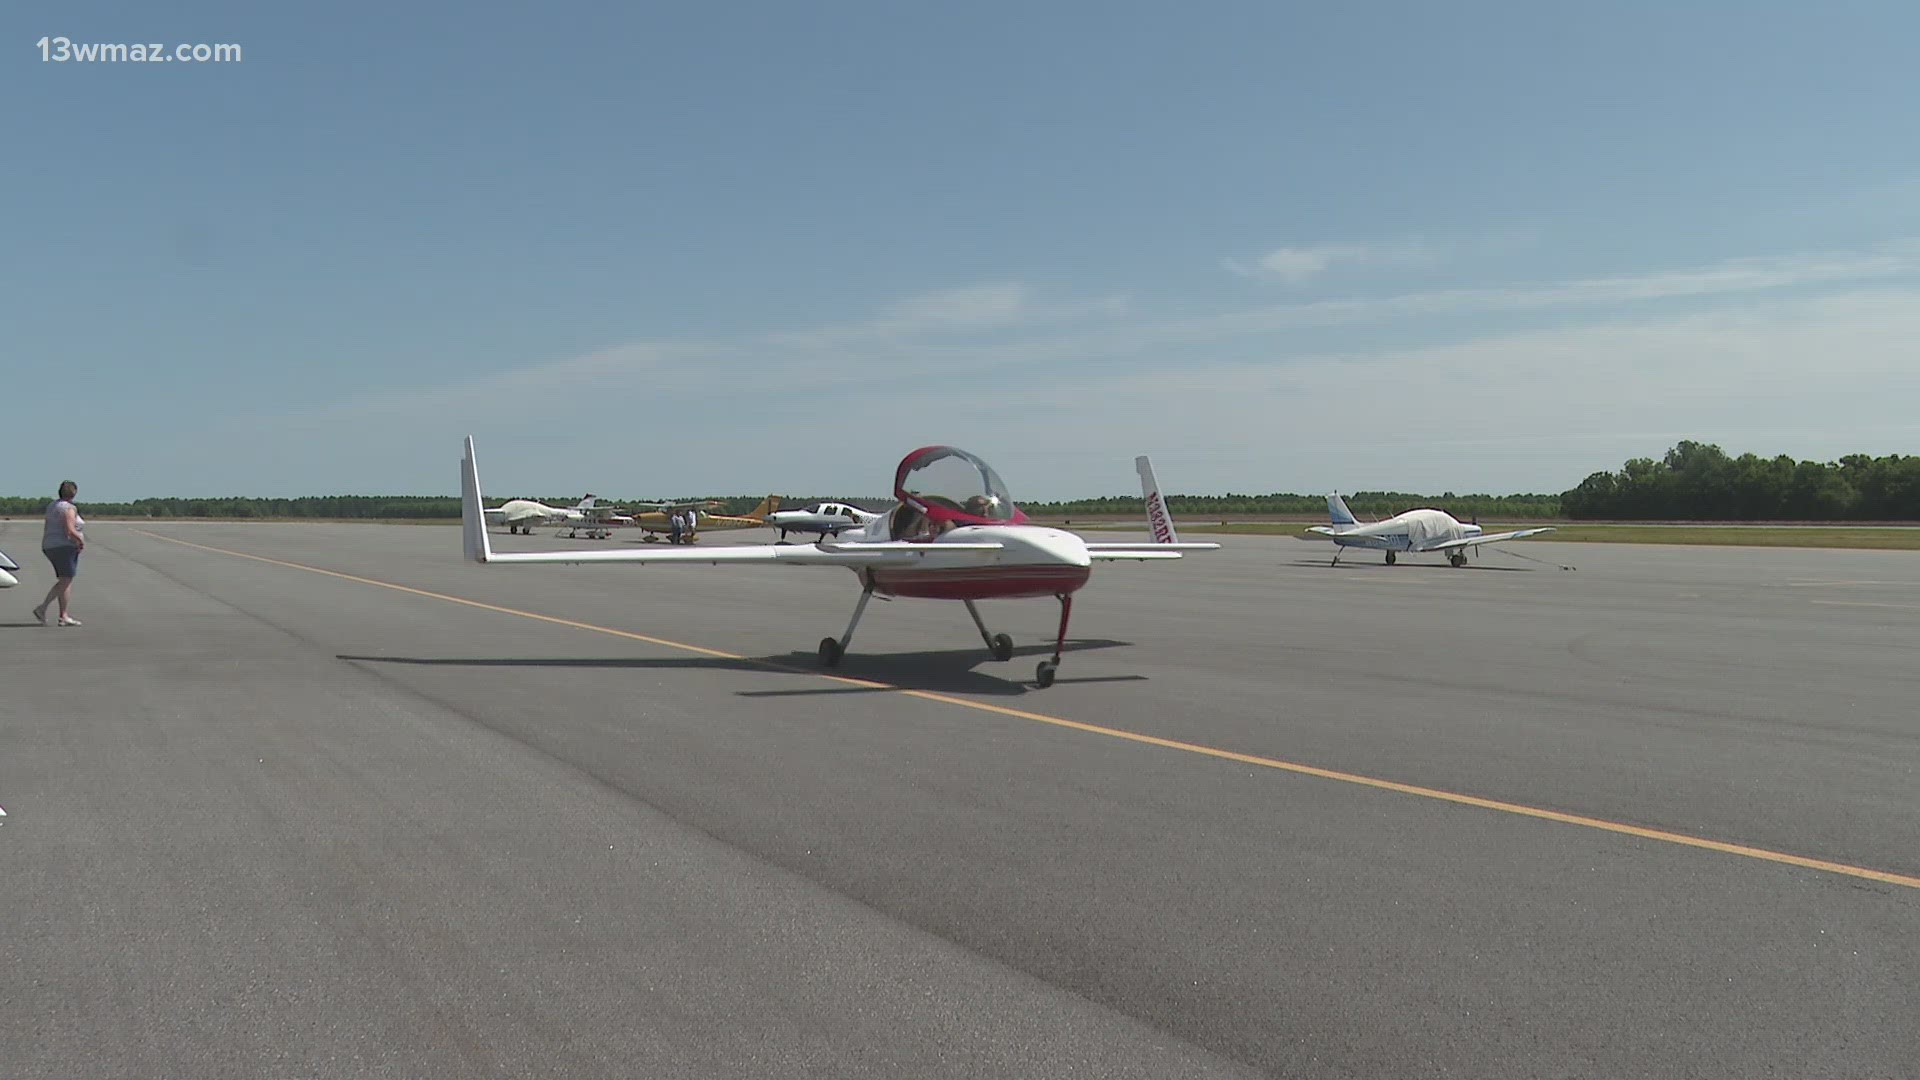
[
  {"x": 1413, "y": 531},
  {"x": 523, "y": 515},
  {"x": 587, "y": 515},
  {"x": 955, "y": 535},
  {"x": 7, "y": 580},
  {"x": 820, "y": 519}
]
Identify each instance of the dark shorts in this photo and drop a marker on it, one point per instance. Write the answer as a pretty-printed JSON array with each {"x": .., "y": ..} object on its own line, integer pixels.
[{"x": 65, "y": 560}]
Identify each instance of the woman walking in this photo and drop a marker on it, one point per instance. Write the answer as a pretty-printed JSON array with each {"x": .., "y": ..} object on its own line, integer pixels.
[{"x": 62, "y": 543}]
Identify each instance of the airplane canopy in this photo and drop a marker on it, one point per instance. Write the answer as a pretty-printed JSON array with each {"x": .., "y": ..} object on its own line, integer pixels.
[{"x": 950, "y": 484}]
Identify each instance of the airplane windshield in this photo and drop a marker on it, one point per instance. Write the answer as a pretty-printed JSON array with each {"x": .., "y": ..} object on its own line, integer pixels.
[{"x": 947, "y": 479}]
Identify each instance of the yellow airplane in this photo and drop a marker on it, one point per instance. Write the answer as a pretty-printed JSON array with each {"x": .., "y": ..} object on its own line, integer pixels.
[{"x": 659, "y": 523}]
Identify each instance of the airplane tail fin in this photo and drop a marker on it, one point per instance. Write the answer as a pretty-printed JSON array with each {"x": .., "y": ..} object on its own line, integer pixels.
[
  {"x": 1158, "y": 519},
  {"x": 768, "y": 505},
  {"x": 473, "y": 523},
  {"x": 1337, "y": 511},
  {"x": 588, "y": 502}
]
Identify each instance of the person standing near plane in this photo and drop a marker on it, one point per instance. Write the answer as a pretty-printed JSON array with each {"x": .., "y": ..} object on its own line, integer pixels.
[
  {"x": 62, "y": 543},
  {"x": 674, "y": 522}
]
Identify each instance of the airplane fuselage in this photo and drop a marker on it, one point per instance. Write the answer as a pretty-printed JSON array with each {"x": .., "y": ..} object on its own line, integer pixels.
[{"x": 1032, "y": 561}]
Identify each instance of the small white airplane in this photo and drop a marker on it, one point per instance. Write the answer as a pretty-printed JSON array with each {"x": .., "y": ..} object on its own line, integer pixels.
[
  {"x": 954, "y": 535},
  {"x": 821, "y": 519},
  {"x": 524, "y": 515},
  {"x": 586, "y": 516},
  {"x": 1413, "y": 531},
  {"x": 7, "y": 566}
]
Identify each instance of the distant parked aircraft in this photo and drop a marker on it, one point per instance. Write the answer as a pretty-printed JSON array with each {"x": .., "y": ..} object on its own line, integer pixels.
[
  {"x": 820, "y": 519},
  {"x": 1413, "y": 531}
]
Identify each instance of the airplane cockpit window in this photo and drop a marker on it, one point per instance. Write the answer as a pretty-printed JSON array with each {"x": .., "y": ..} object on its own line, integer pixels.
[{"x": 955, "y": 486}]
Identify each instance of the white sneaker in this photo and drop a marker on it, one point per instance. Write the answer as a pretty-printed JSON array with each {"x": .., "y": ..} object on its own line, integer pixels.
[{"x": 68, "y": 620}]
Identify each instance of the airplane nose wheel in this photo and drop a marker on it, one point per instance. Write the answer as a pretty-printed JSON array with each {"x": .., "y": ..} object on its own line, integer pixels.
[{"x": 1043, "y": 675}]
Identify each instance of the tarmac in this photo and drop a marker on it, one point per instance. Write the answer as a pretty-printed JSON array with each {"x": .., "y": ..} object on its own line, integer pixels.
[{"x": 325, "y": 800}]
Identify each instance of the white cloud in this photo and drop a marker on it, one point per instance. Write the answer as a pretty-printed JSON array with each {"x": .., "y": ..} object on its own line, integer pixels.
[
  {"x": 1807, "y": 355},
  {"x": 1300, "y": 264},
  {"x": 978, "y": 305}
]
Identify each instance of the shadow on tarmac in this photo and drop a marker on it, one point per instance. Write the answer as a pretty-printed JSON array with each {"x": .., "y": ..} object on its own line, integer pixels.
[
  {"x": 1378, "y": 564},
  {"x": 934, "y": 671}
]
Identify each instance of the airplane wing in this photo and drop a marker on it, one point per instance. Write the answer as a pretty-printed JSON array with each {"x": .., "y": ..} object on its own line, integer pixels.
[
  {"x": 1490, "y": 538},
  {"x": 479, "y": 548},
  {"x": 1145, "y": 550}
]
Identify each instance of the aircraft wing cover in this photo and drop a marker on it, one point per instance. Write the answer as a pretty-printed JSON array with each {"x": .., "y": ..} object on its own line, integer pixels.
[
  {"x": 1428, "y": 530},
  {"x": 1490, "y": 538}
]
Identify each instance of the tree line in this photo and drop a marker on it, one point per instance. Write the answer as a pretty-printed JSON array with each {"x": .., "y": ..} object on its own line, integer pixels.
[
  {"x": 1282, "y": 504},
  {"x": 1693, "y": 482},
  {"x": 1699, "y": 482}
]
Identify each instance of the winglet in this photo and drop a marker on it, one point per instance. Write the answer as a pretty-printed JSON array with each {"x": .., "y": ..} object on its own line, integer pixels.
[
  {"x": 1158, "y": 519},
  {"x": 473, "y": 523}
]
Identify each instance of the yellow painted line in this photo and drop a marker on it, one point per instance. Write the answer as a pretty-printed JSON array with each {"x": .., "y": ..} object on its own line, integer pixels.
[
  {"x": 1865, "y": 603},
  {"x": 1601, "y": 824}
]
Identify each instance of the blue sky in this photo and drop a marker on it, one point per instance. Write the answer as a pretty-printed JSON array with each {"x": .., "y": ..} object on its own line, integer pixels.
[{"x": 771, "y": 246}]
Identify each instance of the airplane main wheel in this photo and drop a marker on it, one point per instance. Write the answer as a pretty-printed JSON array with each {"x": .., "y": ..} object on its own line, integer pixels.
[
  {"x": 1002, "y": 647},
  {"x": 1457, "y": 560},
  {"x": 1044, "y": 673},
  {"x": 1392, "y": 558},
  {"x": 830, "y": 652}
]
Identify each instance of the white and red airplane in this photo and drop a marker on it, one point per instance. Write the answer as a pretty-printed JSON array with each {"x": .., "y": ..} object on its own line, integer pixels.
[{"x": 954, "y": 535}]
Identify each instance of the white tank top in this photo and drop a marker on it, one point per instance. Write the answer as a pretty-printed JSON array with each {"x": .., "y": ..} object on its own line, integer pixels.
[{"x": 56, "y": 534}]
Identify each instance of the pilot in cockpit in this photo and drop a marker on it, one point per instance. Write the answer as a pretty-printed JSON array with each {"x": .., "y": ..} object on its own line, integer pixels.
[{"x": 942, "y": 488}]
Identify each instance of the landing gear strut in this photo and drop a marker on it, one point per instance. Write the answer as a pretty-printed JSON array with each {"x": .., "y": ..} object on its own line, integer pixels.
[
  {"x": 1000, "y": 645},
  {"x": 1043, "y": 674},
  {"x": 832, "y": 651}
]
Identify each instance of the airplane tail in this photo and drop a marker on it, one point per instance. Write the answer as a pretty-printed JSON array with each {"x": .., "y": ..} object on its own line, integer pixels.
[
  {"x": 1337, "y": 511},
  {"x": 473, "y": 522},
  {"x": 768, "y": 505},
  {"x": 1158, "y": 519},
  {"x": 588, "y": 502}
]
